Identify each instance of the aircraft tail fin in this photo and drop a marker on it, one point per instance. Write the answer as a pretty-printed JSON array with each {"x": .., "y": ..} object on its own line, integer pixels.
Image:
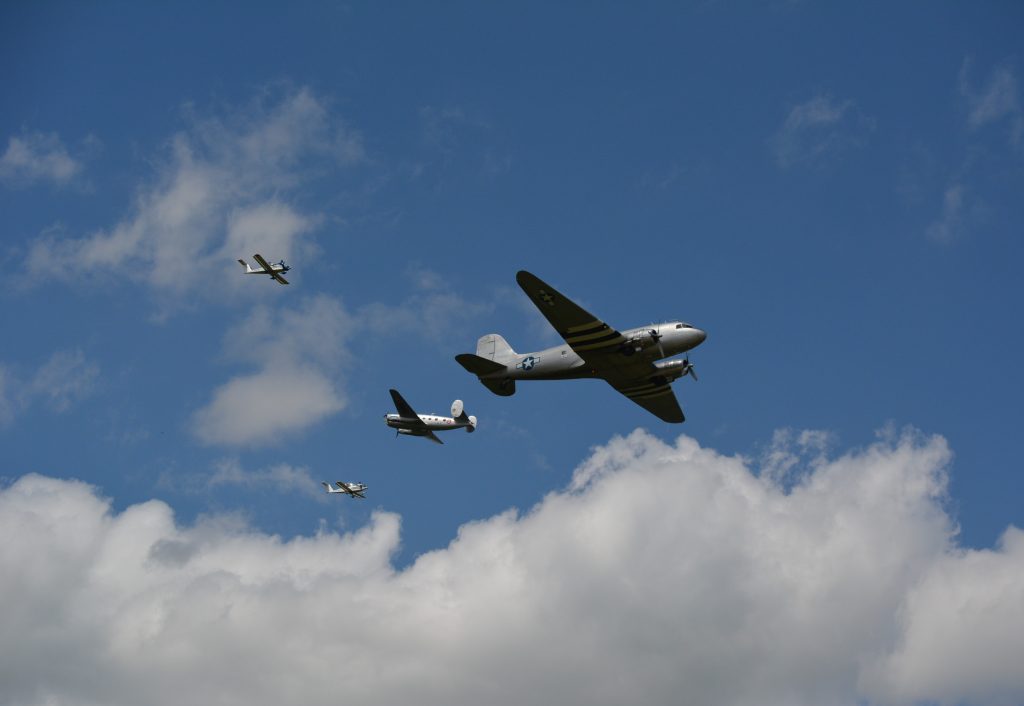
[
  {"x": 246, "y": 265},
  {"x": 327, "y": 487},
  {"x": 478, "y": 365},
  {"x": 494, "y": 347}
]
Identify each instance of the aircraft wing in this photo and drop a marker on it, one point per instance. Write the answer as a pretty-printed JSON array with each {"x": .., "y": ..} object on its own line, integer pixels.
[
  {"x": 278, "y": 277},
  {"x": 404, "y": 408},
  {"x": 656, "y": 397},
  {"x": 263, "y": 263},
  {"x": 353, "y": 493},
  {"x": 433, "y": 437},
  {"x": 585, "y": 333}
]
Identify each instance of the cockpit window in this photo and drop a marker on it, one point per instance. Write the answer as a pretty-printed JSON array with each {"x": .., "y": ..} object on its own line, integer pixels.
[{"x": 683, "y": 325}]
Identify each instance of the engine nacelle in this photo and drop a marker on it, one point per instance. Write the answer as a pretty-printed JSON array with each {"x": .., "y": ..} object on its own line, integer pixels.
[
  {"x": 400, "y": 430},
  {"x": 671, "y": 369},
  {"x": 640, "y": 340}
]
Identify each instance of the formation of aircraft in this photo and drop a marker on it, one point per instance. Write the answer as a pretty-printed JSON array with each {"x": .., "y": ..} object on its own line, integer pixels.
[
  {"x": 630, "y": 361},
  {"x": 407, "y": 421},
  {"x": 633, "y": 361},
  {"x": 353, "y": 490},
  {"x": 273, "y": 269}
]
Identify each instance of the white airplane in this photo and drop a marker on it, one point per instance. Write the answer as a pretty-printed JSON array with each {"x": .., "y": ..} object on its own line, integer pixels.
[
  {"x": 353, "y": 490},
  {"x": 630, "y": 361},
  {"x": 408, "y": 422},
  {"x": 266, "y": 268}
]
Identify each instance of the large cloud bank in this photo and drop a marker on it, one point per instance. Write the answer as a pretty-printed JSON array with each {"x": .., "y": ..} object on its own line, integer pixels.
[{"x": 664, "y": 574}]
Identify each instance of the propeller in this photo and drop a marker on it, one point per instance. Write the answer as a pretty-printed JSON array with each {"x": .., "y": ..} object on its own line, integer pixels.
[
  {"x": 688, "y": 368},
  {"x": 657, "y": 338}
]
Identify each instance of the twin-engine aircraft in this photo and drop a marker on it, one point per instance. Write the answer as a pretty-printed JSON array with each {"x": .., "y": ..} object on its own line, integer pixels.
[
  {"x": 266, "y": 268},
  {"x": 408, "y": 422},
  {"x": 353, "y": 490},
  {"x": 626, "y": 360}
]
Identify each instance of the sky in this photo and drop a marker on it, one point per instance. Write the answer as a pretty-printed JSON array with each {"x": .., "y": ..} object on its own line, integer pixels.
[{"x": 832, "y": 193}]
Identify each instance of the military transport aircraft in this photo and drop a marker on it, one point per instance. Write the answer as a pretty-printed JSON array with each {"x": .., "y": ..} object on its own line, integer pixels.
[
  {"x": 626, "y": 360},
  {"x": 353, "y": 490},
  {"x": 274, "y": 270},
  {"x": 408, "y": 422}
]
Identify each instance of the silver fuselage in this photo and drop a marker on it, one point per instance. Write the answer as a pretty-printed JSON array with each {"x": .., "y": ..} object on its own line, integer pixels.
[
  {"x": 562, "y": 363},
  {"x": 434, "y": 422}
]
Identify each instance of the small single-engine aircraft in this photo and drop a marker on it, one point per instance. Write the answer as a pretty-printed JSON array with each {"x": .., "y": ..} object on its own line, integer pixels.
[
  {"x": 625, "y": 360},
  {"x": 408, "y": 422},
  {"x": 266, "y": 268},
  {"x": 353, "y": 490}
]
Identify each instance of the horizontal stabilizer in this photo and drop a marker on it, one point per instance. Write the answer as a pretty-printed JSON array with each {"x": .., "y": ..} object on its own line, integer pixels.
[
  {"x": 477, "y": 365},
  {"x": 504, "y": 387}
]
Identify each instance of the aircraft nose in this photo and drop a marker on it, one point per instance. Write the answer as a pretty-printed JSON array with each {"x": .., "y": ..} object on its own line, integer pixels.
[{"x": 695, "y": 337}]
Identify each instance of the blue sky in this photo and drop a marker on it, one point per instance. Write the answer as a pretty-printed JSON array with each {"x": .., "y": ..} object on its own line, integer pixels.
[{"x": 833, "y": 194}]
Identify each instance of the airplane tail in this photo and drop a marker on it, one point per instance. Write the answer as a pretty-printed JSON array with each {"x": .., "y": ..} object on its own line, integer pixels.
[
  {"x": 481, "y": 367},
  {"x": 247, "y": 266},
  {"x": 459, "y": 414},
  {"x": 494, "y": 347},
  {"x": 327, "y": 487},
  {"x": 493, "y": 355}
]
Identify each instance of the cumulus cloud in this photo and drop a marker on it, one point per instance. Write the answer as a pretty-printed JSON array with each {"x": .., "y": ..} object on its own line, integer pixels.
[
  {"x": 35, "y": 157},
  {"x": 298, "y": 353},
  {"x": 65, "y": 379},
  {"x": 663, "y": 574},
  {"x": 225, "y": 188},
  {"x": 819, "y": 129}
]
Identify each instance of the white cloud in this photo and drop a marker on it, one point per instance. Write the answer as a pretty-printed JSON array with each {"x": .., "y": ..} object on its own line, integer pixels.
[
  {"x": 298, "y": 353},
  {"x": 6, "y": 398},
  {"x": 949, "y": 224},
  {"x": 960, "y": 631},
  {"x": 819, "y": 129},
  {"x": 994, "y": 102},
  {"x": 434, "y": 311},
  {"x": 36, "y": 157},
  {"x": 65, "y": 379},
  {"x": 281, "y": 478},
  {"x": 301, "y": 356},
  {"x": 665, "y": 574},
  {"x": 226, "y": 188}
]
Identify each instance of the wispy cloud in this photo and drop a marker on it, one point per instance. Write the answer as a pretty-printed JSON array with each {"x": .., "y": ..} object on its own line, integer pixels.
[
  {"x": 994, "y": 102},
  {"x": 434, "y": 311},
  {"x": 37, "y": 157},
  {"x": 298, "y": 353},
  {"x": 301, "y": 355},
  {"x": 281, "y": 478},
  {"x": 65, "y": 379},
  {"x": 452, "y": 134},
  {"x": 667, "y": 570},
  {"x": 949, "y": 225},
  {"x": 819, "y": 130},
  {"x": 226, "y": 186}
]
